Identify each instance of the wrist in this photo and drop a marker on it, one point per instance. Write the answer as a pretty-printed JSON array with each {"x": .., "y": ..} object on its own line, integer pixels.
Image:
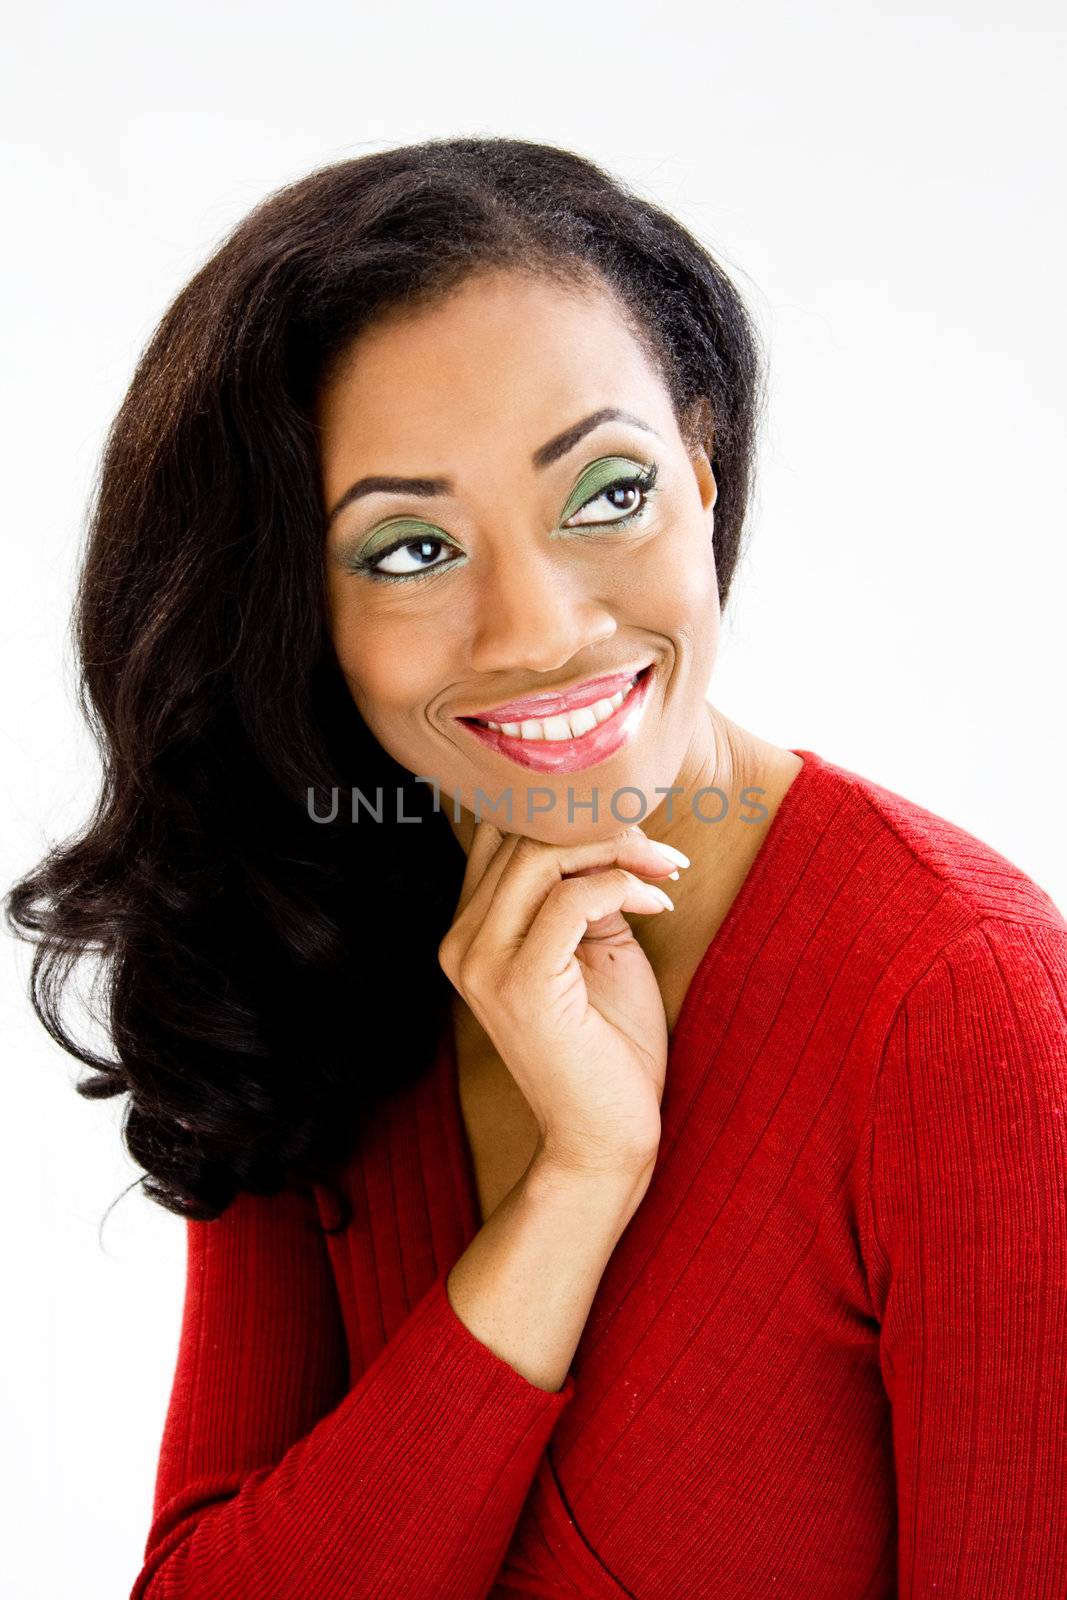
[{"x": 619, "y": 1184}]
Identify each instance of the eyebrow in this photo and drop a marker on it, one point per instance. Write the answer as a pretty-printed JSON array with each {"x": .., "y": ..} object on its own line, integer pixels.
[{"x": 544, "y": 457}]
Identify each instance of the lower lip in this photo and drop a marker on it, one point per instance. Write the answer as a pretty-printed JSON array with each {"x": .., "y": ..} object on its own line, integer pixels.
[{"x": 574, "y": 755}]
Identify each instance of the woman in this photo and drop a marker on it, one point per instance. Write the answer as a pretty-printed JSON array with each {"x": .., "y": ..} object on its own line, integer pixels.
[{"x": 535, "y": 1250}]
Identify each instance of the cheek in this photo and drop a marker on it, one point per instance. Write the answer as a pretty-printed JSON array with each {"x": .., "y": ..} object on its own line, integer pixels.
[
  {"x": 392, "y": 671},
  {"x": 678, "y": 599},
  {"x": 675, "y": 581}
]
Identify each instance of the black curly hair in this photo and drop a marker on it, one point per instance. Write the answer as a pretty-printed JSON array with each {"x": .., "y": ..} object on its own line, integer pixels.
[{"x": 242, "y": 983}]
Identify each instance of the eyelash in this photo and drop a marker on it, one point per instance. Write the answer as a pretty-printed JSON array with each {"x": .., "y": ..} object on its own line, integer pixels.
[{"x": 643, "y": 480}]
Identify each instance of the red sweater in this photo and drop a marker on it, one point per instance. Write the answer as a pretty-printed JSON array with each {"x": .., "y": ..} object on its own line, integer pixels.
[{"x": 827, "y": 1359}]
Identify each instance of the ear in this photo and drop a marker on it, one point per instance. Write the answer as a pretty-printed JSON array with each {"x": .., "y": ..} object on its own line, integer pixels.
[
  {"x": 700, "y": 442},
  {"x": 709, "y": 488}
]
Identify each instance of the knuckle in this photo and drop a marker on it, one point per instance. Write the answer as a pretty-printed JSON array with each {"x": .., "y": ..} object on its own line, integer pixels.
[
  {"x": 620, "y": 878},
  {"x": 625, "y": 838},
  {"x": 569, "y": 889},
  {"x": 447, "y": 953},
  {"x": 526, "y": 849},
  {"x": 471, "y": 971},
  {"x": 627, "y": 882}
]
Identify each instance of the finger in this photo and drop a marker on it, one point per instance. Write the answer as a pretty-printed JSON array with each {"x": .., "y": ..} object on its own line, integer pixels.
[
  {"x": 476, "y": 904},
  {"x": 573, "y": 905},
  {"x": 485, "y": 843},
  {"x": 506, "y": 913}
]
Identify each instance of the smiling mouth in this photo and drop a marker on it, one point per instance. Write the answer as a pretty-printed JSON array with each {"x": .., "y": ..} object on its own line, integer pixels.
[{"x": 571, "y": 725}]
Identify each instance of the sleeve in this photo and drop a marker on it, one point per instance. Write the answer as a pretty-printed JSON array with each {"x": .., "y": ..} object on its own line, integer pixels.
[
  {"x": 965, "y": 1241},
  {"x": 281, "y": 1475}
]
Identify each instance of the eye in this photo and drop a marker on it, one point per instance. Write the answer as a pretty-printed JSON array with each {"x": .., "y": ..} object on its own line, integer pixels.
[
  {"x": 421, "y": 554},
  {"x": 406, "y": 557},
  {"x": 625, "y": 492},
  {"x": 635, "y": 490}
]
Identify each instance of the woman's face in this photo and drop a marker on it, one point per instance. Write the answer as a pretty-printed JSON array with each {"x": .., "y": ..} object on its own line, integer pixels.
[{"x": 554, "y": 530}]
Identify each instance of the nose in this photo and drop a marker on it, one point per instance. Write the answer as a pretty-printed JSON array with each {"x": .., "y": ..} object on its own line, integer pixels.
[{"x": 534, "y": 613}]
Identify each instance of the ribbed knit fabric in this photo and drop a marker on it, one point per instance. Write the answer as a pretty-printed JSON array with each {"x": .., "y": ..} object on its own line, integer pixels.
[{"x": 827, "y": 1359}]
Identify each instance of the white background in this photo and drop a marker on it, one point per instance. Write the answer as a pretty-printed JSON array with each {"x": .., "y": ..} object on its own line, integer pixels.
[{"x": 883, "y": 181}]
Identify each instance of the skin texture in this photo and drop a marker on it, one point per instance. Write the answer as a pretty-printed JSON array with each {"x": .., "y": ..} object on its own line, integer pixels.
[
  {"x": 510, "y": 605},
  {"x": 470, "y": 390}
]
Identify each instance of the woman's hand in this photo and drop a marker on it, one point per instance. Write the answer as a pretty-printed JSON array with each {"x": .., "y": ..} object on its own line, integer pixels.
[{"x": 541, "y": 952}]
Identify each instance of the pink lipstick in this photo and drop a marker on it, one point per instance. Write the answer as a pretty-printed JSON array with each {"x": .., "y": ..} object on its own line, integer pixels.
[
  {"x": 560, "y": 702},
  {"x": 586, "y": 749}
]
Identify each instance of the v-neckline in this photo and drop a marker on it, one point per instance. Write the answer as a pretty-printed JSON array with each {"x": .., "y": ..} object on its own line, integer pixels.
[{"x": 447, "y": 1060}]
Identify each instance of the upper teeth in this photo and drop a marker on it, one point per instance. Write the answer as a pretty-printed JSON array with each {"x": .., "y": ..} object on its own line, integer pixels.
[{"x": 570, "y": 726}]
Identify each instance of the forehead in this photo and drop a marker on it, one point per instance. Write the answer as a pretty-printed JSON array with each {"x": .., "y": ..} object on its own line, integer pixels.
[{"x": 505, "y": 356}]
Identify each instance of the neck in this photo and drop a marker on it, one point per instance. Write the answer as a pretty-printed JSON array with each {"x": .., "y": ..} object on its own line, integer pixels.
[{"x": 726, "y": 758}]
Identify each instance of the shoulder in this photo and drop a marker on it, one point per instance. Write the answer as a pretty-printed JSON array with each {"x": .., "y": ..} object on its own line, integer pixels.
[
  {"x": 967, "y": 1122},
  {"x": 987, "y": 1018},
  {"x": 979, "y": 881},
  {"x": 994, "y": 999}
]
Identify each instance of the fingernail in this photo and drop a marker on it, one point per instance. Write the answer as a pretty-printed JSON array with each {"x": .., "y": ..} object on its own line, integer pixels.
[
  {"x": 671, "y": 853},
  {"x": 667, "y": 901}
]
